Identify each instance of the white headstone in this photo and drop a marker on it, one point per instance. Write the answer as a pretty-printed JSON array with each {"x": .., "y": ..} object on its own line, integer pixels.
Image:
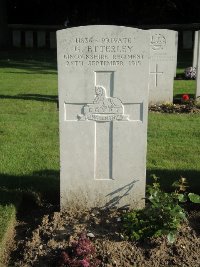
[
  {"x": 187, "y": 39},
  {"x": 195, "y": 49},
  {"x": 16, "y": 38},
  {"x": 41, "y": 39},
  {"x": 197, "y": 94},
  {"x": 103, "y": 98},
  {"x": 163, "y": 57},
  {"x": 29, "y": 39}
]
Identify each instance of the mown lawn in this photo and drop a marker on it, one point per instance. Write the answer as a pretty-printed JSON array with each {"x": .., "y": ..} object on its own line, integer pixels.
[
  {"x": 173, "y": 149},
  {"x": 184, "y": 86},
  {"x": 29, "y": 165},
  {"x": 29, "y": 121},
  {"x": 29, "y": 137}
]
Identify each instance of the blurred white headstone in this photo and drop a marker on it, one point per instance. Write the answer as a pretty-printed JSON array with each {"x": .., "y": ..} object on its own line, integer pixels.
[
  {"x": 195, "y": 49},
  {"x": 29, "y": 39},
  {"x": 163, "y": 58}
]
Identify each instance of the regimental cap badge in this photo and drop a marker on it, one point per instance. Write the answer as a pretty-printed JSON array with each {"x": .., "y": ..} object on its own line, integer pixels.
[
  {"x": 103, "y": 108},
  {"x": 158, "y": 41}
]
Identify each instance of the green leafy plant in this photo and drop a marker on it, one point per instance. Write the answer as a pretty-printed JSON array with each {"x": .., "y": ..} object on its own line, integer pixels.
[
  {"x": 181, "y": 192},
  {"x": 162, "y": 214}
]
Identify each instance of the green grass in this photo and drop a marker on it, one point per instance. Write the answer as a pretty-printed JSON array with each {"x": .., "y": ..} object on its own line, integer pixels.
[
  {"x": 29, "y": 126},
  {"x": 29, "y": 137},
  {"x": 184, "y": 86},
  {"x": 29, "y": 165},
  {"x": 173, "y": 149}
]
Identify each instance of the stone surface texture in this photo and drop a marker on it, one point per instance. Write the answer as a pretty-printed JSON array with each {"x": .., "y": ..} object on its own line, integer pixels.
[{"x": 103, "y": 74}]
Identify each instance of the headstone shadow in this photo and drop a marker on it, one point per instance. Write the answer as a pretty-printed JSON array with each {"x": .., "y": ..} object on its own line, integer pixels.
[
  {"x": 30, "y": 190},
  {"x": 167, "y": 177},
  {"x": 35, "y": 97},
  {"x": 119, "y": 194}
]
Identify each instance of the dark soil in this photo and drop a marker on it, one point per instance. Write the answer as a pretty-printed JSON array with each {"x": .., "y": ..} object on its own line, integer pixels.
[{"x": 42, "y": 235}]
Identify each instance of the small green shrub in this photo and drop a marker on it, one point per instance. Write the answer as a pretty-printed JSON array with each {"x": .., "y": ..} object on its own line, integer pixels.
[{"x": 162, "y": 214}]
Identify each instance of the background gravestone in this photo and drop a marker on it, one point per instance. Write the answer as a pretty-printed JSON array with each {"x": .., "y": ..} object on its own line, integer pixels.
[
  {"x": 163, "y": 58},
  {"x": 103, "y": 95},
  {"x": 29, "y": 39},
  {"x": 197, "y": 94}
]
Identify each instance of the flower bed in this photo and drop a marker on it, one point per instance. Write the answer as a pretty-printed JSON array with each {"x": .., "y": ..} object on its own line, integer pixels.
[{"x": 186, "y": 107}]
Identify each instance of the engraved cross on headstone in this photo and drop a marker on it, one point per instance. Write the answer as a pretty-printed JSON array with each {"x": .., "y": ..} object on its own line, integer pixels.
[
  {"x": 104, "y": 112},
  {"x": 103, "y": 165},
  {"x": 156, "y": 73}
]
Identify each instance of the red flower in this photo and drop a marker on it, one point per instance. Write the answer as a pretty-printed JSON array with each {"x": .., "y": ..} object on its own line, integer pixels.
[
  {"x": 185, "y": 97},
  {"x": 84, "y": 263}
]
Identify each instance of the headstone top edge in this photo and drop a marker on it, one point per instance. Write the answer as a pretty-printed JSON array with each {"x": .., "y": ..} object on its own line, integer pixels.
[
  {"x": 167, "y": 30},
  {"x": 100, "y": 26}
]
